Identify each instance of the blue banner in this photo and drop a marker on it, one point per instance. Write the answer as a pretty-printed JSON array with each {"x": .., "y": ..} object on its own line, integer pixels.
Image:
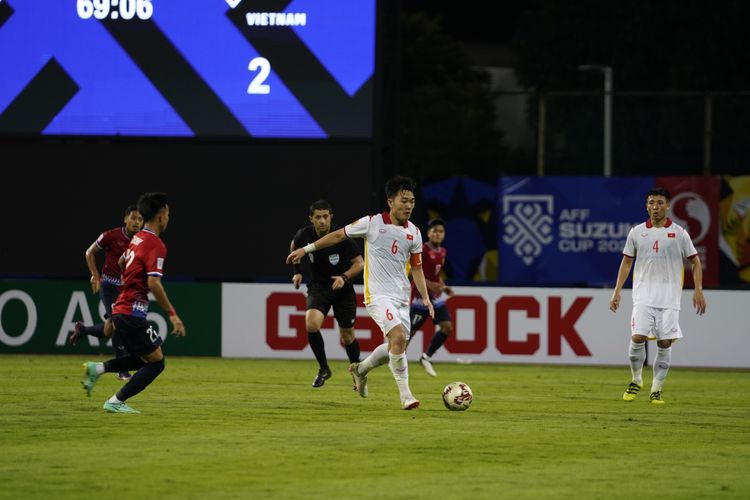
[{"x": 566, "y": 230}]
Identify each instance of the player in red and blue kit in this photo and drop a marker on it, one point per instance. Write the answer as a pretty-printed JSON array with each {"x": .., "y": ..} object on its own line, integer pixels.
[
  {"x": 143, "y": 264},
  {"x": 433, "y": 261},
  {"x": 113, "y": 242}
]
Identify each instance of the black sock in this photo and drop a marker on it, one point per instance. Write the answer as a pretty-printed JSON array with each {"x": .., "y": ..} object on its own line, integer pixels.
[
  {"x": 95, "y": 331},
  {"x": 140, "y": 380},
  {"x": 118, "y": 365},
  {"x": 315, "y": 339},
  {"x": 438, "y": 339},
  {"x": 119, "y": 346},
  {"x": 352, "y": 351}
]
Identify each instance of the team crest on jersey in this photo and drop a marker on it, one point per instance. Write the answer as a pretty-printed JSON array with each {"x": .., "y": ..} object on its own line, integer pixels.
[
  {"x": 409, "y": 237},
  {"x": 671, "y": 235},
  {"x": 333, "y": 259}
]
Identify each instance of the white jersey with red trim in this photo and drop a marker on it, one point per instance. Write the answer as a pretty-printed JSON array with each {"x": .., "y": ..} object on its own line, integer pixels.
[
  {"x": 388, "y": 252},
  {"x": 659, "y": 263}
]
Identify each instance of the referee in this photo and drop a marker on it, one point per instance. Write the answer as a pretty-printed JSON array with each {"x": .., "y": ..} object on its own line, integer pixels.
[{"x": 332, "y": 270}]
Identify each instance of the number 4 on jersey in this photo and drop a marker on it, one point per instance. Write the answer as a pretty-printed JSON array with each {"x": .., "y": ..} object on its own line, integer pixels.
[{"x": 656, "y": 246}]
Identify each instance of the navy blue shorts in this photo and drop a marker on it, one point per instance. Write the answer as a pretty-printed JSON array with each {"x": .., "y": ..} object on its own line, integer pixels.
[
  {"x": 108, "y": 293},
  {"x": 418, "y": 316},
  {"x": 137, "y": 334}
]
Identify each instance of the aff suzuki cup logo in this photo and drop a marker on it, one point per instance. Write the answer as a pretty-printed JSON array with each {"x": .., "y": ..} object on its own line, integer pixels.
[{"x": 527, "y": 221}]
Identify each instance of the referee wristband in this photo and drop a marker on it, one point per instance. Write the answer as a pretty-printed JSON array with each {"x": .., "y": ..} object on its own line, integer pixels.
[{"x": 309, "y": 248}]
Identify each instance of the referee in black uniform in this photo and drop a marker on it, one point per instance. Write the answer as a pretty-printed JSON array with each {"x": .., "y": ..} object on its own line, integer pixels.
[{"x": 333, "y": 269}]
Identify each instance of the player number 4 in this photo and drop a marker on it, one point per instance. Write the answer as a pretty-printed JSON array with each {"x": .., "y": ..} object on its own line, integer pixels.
[
  {"x": 263, "y": 67},
  {"x": 656, "y": 246}
]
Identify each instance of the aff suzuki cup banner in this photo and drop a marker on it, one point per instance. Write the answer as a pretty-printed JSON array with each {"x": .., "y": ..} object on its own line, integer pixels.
[
  {"x": 566, "y": 230},
  {"x": 492, "y": 325}
]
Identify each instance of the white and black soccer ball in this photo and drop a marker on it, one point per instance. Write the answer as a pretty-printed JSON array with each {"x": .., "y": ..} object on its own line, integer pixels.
[{"x": 457, "y": 396}]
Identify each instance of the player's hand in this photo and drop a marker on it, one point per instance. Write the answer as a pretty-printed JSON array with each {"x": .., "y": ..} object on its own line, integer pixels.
[
  {"x": 296, "y": 256},
  {"x": 338, "y": 282},
  {"x": 448, "y": 291},
  {"x": 109, "y": 328},
  {"x": 94, "y": 284},
  {"x": 614, "y": 302},
  {"x": 427, "y": 303},
  {"x": 178, "y": 326},
  {"x": 699, "y": 302},
  {"x": 296, "y": 280}
]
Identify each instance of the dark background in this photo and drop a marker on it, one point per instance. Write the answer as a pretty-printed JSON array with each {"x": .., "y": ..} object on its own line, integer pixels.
[{"x": 237, "y": 203}]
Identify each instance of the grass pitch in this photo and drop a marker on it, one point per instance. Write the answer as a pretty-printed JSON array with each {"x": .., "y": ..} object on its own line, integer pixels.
[{"x": 219, "y": 428}]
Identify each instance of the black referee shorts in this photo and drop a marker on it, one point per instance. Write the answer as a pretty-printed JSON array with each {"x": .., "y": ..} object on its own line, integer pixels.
[{"x": 343, "y": 301}]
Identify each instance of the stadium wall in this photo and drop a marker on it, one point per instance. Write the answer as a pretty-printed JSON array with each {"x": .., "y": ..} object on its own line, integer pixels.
[
  {"x": 235, "y": 205},
  {"x": 492, "y": 325}
]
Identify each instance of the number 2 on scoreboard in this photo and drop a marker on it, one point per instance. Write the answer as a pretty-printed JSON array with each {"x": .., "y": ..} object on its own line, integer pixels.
[{"x": 263, "y": 67}]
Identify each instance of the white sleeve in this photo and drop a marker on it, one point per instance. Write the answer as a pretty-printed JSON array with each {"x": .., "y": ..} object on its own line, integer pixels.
[
  {"x": 629, "y": 249},
  {"x": 416, "y": 244},
  {"x": 686, "y": 245},
  {"x": 358, "y": 228}
]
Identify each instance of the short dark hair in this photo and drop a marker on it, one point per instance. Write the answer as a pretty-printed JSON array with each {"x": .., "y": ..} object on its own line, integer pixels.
[
  {"x": 397, "y": 184},
  {"x": 150, "y": 204},
  {"x": 131, "y": 208},
  {"x": 320, "y": 205},
  {"x": 435, "y": 222},
  {"x": 658, "y": 191}
]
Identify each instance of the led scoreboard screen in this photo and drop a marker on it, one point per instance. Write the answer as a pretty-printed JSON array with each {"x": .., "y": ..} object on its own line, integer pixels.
[{"x": 188, "y": 68}]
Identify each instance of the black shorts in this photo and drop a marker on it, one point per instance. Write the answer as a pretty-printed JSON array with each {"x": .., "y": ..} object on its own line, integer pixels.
[
  {"x": 343, "y": 300},
  {"x": 108, "y": 293},
  {"x": 138, "y": 335},
  {"x": 418, "y": 316}
]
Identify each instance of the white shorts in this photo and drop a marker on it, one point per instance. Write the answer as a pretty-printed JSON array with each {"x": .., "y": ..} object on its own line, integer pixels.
[
  {"x": 388, "y": 313},
  {"x": 655, "y": 323}
]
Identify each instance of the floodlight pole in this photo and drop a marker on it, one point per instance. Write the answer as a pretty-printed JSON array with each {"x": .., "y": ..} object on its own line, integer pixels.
[{"x": 607, "y": 70}]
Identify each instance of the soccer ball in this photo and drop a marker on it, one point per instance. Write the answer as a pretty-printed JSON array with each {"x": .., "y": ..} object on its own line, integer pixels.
[{"x": 457, "y": 396}]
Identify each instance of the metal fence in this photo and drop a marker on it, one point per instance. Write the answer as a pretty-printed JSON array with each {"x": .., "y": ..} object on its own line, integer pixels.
[{"x": 668, "y": 133}]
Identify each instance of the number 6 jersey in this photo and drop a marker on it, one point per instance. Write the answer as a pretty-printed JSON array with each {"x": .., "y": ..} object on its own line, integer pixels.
[{"x": 390, "y": 250}]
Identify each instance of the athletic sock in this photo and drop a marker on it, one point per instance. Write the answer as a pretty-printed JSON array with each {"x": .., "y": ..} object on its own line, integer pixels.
[
  {"x": 376, "y": 358},
  {"x": 352, "y": 351},
  {"x": 661, "y": 367},
  {"x": 140, "y": 380},
  {"x": 438, "y": 339},
  {"x": 95, "y": 331},
  {"x": 125, "y": 364},
  {"x": 637, "y": 356},
  {"x": 400, "y": 369},
  {"x": 114, "y": 400},
  {"x": 315, "y": 339}
]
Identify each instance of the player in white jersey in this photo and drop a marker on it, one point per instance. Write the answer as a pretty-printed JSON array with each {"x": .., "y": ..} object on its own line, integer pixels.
[
  {"x": 393, "y": 246},
  {"x": 659, "y": 247}
]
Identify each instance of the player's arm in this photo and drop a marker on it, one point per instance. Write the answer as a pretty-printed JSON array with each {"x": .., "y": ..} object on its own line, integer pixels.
[
  {"x": 699, "y": 301},
  {"x": 625, "y": 265},
  {"x": 297, "y": 268},
  {"x": 358, "y": 263},
  {"x": 91, "y": 263},
  {"x": 154, "y": 284},
  {"x": 326, "y": 241},
  {"x": 418, "y": 275}
]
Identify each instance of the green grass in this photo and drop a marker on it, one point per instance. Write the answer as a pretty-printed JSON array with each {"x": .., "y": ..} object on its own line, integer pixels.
[{"x": 214, "y": 428}]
